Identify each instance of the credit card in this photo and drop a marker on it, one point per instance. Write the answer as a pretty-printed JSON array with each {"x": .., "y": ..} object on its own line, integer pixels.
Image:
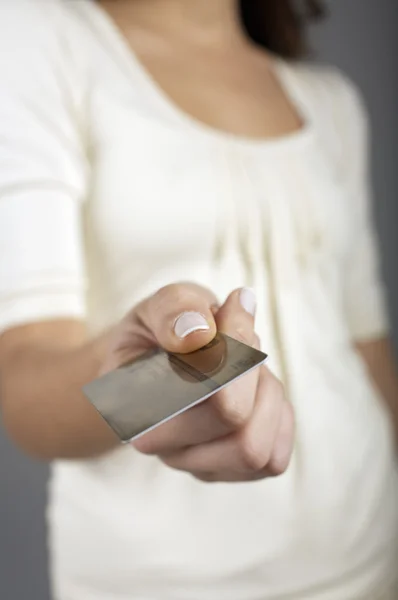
[{"x": 157, "y": 386}]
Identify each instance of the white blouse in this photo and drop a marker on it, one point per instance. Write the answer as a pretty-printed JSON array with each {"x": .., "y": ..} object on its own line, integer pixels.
[{"x": 109, "y": 191}]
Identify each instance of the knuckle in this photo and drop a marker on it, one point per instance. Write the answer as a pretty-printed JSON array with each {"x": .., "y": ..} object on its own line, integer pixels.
[
  {"x": 257, "y": 341},
  {"x": 175, "y": 292},
  {"x": 254, "y": 455},
  {"x": 289, "y": 414},
  {"x": 278, "y": 464},
  {"x": 283, "y": 450},
  {"x": 232, "y": 412},
  {"x": 276, "y": 389},
  {"x": 244, "y": 335}
]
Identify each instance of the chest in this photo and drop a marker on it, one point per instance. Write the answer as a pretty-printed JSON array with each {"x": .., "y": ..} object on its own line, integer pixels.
[
  {"x": 165, "y": 184},
  {"x": 158, "y": 185}
]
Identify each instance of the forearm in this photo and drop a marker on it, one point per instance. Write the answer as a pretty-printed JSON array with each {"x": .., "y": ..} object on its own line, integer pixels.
[
  {"x": 43, "y": 408},
  {"x": 381, "y": 362}
]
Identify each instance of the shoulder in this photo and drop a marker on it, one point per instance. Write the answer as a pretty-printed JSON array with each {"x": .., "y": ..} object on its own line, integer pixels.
[
  {"x": 31, "y": 23},
  {"x": 335, "y": 105},
  {"x": 34, "y": 32},
  {"x": 327, "y": 90},
  {"x": 38, "y": 54}
]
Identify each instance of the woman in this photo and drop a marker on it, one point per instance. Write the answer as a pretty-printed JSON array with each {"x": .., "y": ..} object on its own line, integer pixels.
[{"x": 145, "y": 143}]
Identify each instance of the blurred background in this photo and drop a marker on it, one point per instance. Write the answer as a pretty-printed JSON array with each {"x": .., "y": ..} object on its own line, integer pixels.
[{"x": 361, "y": 37}]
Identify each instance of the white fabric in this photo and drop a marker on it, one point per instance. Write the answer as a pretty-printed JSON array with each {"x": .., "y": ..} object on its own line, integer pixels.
[{"x": 108, "y": 191}]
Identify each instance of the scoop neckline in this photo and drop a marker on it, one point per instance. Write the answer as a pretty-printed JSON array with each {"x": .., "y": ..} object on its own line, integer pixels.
[{"x": 282, "y": 71}]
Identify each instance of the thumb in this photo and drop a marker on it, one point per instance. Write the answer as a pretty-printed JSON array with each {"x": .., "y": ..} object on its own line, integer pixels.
[{"x": 178, "y": 317}]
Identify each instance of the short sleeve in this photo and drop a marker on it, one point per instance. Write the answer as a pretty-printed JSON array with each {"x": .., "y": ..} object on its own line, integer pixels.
[
  {"x": 42, "y": 172},
  {"x": 364, "y": 290}
]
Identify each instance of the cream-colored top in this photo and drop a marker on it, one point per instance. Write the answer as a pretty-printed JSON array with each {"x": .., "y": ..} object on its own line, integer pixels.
[{"x": 107, "y": 192}]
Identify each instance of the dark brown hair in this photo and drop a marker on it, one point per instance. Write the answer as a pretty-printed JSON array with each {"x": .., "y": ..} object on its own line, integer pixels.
[{"x": 280, "y": 25}]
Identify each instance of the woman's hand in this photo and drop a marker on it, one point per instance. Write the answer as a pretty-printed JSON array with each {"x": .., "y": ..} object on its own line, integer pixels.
[{"x": 244, "y": 432}]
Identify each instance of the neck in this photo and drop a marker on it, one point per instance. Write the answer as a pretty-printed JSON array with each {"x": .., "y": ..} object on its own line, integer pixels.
[{"x": 205, "y": 20}]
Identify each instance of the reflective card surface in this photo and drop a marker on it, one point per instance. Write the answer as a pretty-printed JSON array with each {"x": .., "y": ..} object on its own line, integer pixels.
[{"x": 157, "y": 386}]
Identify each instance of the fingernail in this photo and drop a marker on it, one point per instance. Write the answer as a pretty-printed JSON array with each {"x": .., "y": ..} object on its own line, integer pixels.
[
  {"x": 248, "y": 300},
  {"x": 188, "y": 323}
]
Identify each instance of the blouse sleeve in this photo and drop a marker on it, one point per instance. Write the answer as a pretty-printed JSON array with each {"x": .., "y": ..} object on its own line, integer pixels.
[
  {"x": 364, "y": 290},
  {"x": 42, "y": 172}
]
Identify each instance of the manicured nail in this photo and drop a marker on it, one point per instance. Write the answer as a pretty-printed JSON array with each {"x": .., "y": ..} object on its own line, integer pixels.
[
  {"x": 248, "y": 300},
  {"x": 188, "y": 323}
]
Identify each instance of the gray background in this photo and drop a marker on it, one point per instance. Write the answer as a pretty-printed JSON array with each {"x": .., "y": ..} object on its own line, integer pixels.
[{"x": 362, "y": 38}]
